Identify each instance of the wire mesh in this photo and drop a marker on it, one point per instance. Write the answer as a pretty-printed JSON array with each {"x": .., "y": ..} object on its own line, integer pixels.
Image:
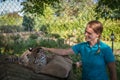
[{"x": 10, "y": 15}]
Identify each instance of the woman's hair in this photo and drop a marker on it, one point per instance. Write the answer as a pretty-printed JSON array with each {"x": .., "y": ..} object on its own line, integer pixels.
[
  {"x": 98, "y": 29},
  {"x": 96, "y": 26}
]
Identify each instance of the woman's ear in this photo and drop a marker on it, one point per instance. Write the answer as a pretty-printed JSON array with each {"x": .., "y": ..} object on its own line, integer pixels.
[{"x": 98, "y": 35}]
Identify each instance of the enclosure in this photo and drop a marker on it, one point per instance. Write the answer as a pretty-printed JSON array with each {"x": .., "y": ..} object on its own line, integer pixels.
[{"x": 55, "y": 24}]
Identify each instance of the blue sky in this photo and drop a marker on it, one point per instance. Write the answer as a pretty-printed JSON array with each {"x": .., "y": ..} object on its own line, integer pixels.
[
  {"x": 95, "y": 1},
  {"x": 10, "y": 6}
]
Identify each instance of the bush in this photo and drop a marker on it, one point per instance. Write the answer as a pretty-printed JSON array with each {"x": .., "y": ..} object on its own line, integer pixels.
[{"x": 33, "y": 36}]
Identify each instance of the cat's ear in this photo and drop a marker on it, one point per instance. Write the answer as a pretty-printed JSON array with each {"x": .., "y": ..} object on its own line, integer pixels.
[
  {"x": 37, "y": 50},
  {"x": 30, "y": 49}
]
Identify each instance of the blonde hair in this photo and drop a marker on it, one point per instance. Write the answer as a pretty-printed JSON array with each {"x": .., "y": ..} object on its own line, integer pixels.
[{"x": 98, "y": 29}]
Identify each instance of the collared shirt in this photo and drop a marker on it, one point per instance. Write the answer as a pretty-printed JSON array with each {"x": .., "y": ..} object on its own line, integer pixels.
[{"x": 93, "y": 63}]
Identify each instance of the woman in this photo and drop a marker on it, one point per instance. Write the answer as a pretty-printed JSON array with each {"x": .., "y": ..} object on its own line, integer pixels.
[{"x": 95, "y": 55}]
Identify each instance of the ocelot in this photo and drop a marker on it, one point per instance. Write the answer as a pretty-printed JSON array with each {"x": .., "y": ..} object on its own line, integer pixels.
[{"x": 34, "y": 58}]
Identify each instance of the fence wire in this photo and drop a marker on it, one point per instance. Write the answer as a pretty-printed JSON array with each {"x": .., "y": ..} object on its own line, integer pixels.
[
  {"x": 68, "y": 30},
  {"x": 15, "y": 37},
  {"x": 10, "y": 15}
]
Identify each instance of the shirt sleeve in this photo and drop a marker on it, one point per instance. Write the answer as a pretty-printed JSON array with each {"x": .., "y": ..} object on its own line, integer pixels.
[
  {"x": 76, "y": 48},
  {"x": 108, "y": 55}
]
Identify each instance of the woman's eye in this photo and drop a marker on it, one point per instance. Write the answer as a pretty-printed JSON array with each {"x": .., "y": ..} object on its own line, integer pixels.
[{"x": 88, "y": 33}]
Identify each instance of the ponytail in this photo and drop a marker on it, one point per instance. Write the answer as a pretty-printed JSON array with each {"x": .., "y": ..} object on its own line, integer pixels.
[{"x": 98, "y": 42}]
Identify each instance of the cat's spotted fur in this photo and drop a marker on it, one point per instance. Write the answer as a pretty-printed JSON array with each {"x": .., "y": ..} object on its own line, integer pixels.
[{"x": 34, "y": 58}]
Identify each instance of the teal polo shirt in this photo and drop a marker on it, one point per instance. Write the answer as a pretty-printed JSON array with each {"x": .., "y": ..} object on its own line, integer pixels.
[{"x": 93, "y": 64}]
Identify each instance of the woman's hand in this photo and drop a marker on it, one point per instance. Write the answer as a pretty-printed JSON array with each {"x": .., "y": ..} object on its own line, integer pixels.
[{"x": 78, "y": 64}]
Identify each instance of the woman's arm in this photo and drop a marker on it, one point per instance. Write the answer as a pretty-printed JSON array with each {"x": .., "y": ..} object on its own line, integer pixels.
[
  {"x": 112, "y": 71},
  {"x": 59, "y": 51}
]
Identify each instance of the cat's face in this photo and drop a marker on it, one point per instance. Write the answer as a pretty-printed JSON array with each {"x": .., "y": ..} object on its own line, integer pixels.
[{"x": 36, "y": 57}]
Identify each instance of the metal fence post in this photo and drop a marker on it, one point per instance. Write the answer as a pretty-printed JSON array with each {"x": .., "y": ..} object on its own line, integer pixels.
[{"x": 112, "y": 39}]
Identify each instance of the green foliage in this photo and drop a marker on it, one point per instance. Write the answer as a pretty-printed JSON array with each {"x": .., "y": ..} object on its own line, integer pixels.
[
  {"x": 31, "y": 43},
  {"x": 28, "y": 23},
  {"x": 43, "y": 28},
  {"x": 15, "y": 44},
  {"x": 10, "y": 28},
  {"x": 109, "y": 26},
  {"x": 33, "y": 36},
  {"x": 69, "y": 24},
  {"x": 53, "y": 35},
  {"x": 48, "y": 43},
  {"x": 108, "y": 9},
  {"x": 7, "y": 44},
  {"x": 10, "y": 19},
  {"x": 10, "y": 23},
  {"x": 117, "y": 66},
  {"x": 66, "y": 25},
  {"x": 37, "y": 6},
  {"x": 59, "y": 43}
]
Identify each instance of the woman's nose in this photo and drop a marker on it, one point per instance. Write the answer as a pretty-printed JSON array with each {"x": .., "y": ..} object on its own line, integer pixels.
[{"x": 85, "y": 34}]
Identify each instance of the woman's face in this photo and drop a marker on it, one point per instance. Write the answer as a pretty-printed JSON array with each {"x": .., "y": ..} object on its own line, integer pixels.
[{"x": 90, "y": 35}]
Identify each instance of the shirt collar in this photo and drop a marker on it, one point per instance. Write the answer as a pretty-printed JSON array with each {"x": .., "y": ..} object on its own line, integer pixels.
[{"x": 95, "y": 46}]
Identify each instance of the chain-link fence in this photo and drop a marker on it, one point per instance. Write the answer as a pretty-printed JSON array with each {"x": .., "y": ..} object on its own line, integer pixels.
[
  {"x": 68, "y": 29},
  {"x": 18, "y": 33},
  {"x": 10, "y": 6},
  {"x": 10, "y": 15}
]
